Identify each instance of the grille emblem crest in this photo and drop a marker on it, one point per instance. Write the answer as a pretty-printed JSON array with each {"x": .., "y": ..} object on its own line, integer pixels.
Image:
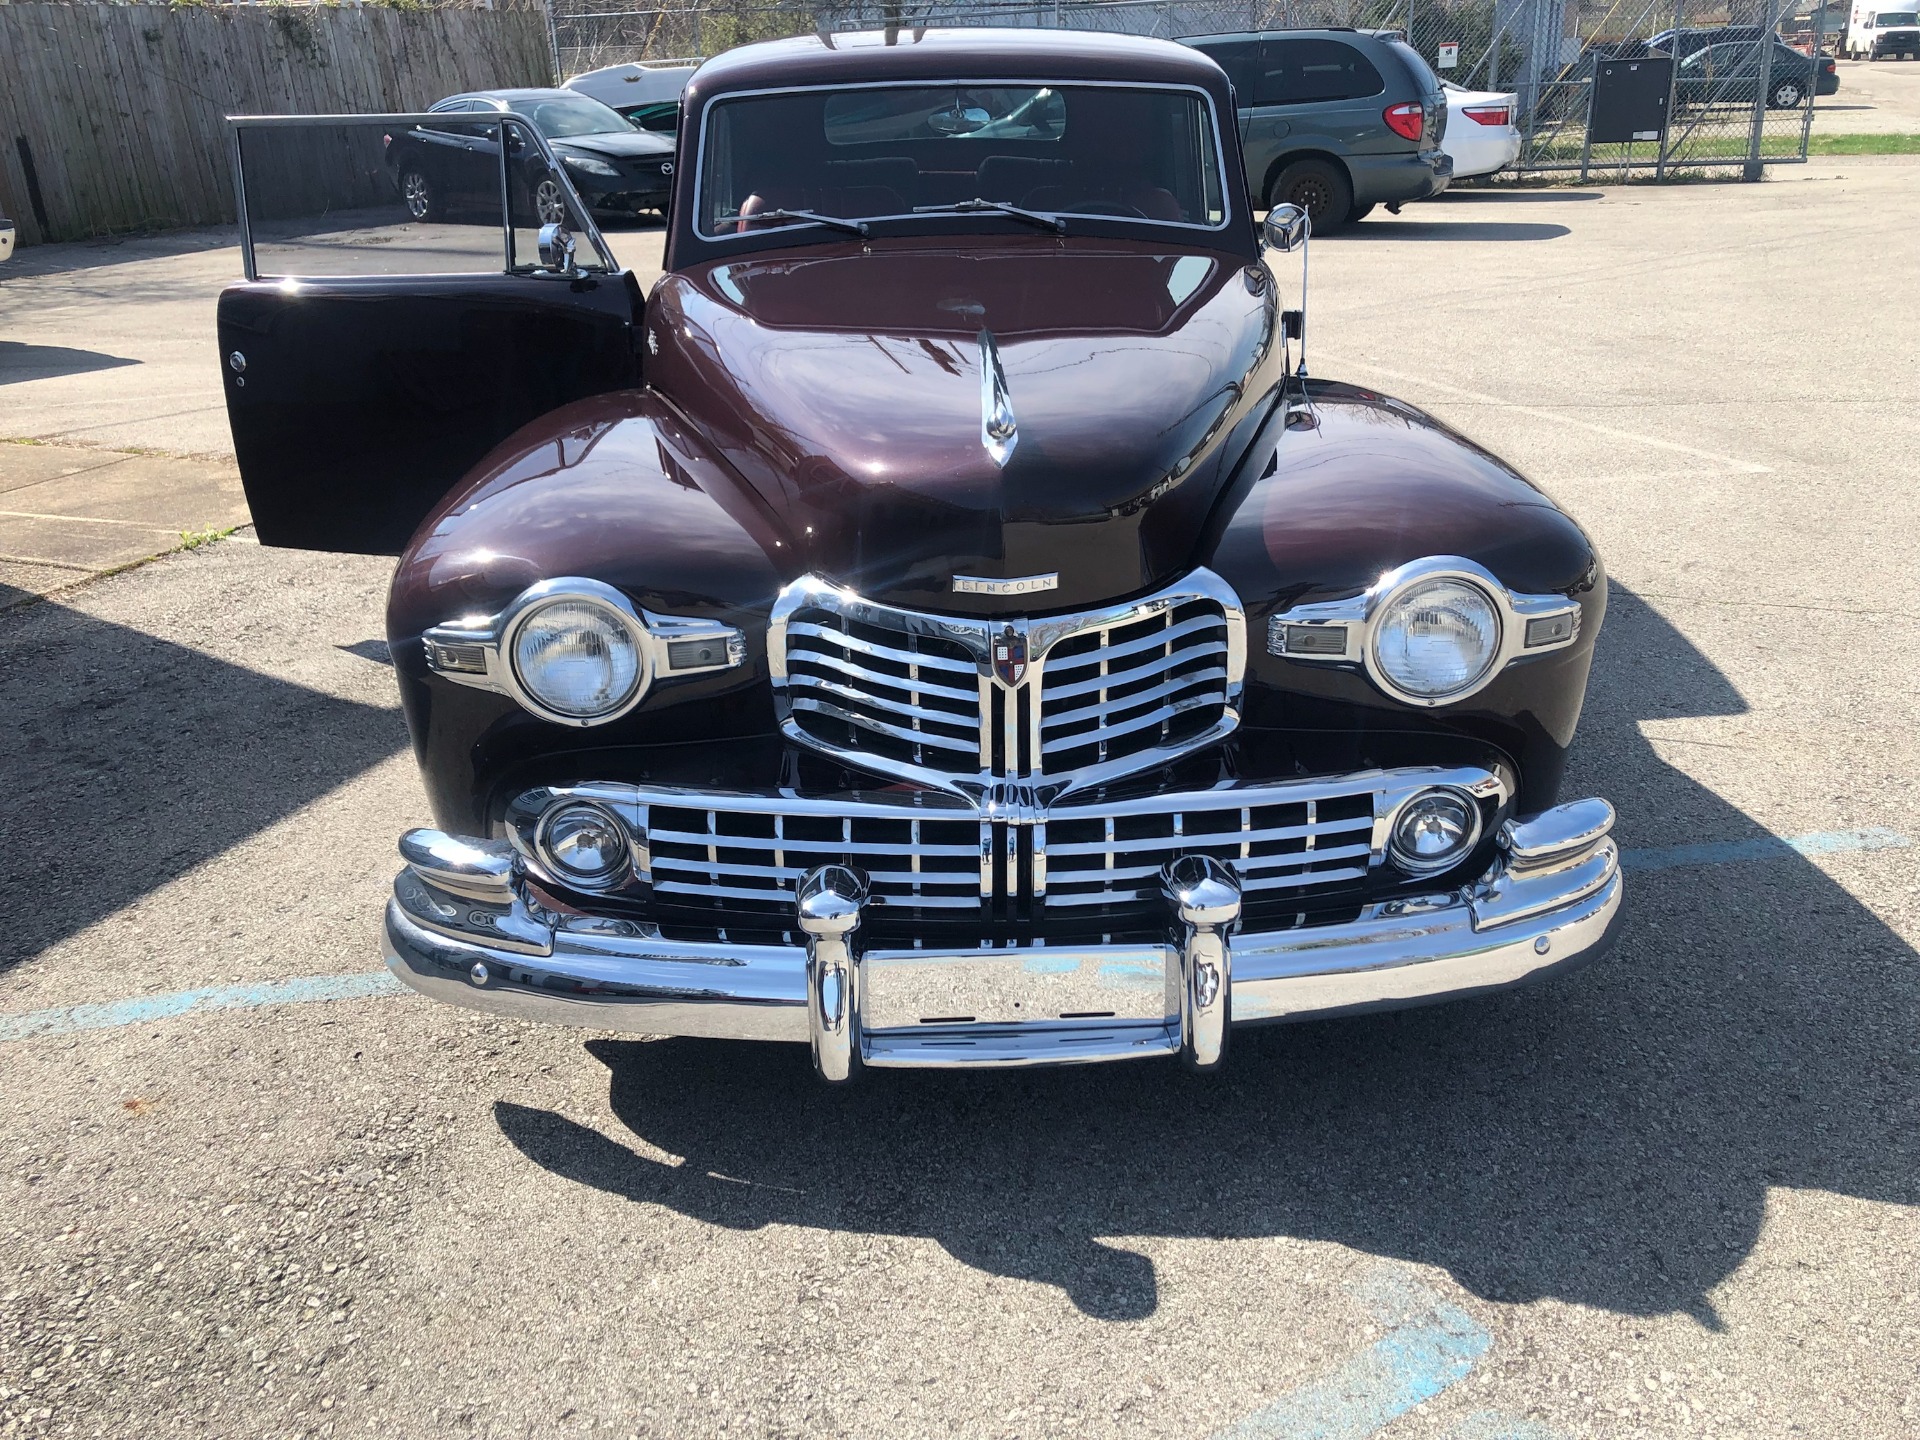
[{"x": 1010, "y": 656}]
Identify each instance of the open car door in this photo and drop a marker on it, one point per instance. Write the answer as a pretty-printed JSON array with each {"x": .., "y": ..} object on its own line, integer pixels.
[{"x": 404, "y": 311}]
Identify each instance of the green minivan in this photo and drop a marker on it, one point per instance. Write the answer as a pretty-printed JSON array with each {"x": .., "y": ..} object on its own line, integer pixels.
[{"x": 1335, "y": 121}]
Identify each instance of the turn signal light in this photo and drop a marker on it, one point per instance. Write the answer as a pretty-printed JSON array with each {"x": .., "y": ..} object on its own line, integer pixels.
[
  {"x": 1486, "y": 114},
  {"x": 1407, "y": 120}
]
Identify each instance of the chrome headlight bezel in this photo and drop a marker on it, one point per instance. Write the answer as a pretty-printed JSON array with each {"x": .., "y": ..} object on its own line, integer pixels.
[
  {"x": 1346, "y": 632},
  {"x": 1380, "y": 621},
  {"x": 590, "y": 595},
  {"x": 478, "y": 651}
]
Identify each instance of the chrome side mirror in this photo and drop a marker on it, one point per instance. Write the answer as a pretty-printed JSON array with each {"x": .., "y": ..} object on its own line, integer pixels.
[
  {"x": 556, "y": 249},
  {"x": 1287, "y": 228}
]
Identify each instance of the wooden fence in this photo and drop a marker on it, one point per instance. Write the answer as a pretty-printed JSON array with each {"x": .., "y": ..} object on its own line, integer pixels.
[{"x": 111, "y": 116}]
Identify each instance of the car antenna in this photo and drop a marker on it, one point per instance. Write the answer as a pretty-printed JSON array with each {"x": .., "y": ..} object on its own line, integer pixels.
[{"x": 825, "y": 35}]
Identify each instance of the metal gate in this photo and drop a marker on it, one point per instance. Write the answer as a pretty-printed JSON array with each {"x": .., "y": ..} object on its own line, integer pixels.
[{"x": 1735, "y": 95}]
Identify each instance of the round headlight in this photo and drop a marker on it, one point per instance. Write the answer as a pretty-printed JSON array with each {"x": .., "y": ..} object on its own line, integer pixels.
[
  {"x": 1436, "y": 639},
  {"x": 578, "y": 658},
  {"x": 1434, "y": 830},
  {"x": 584, "y": 843}
]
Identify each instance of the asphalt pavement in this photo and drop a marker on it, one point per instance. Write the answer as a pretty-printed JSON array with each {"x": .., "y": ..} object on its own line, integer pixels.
[{"x": 250, "y": 1191}]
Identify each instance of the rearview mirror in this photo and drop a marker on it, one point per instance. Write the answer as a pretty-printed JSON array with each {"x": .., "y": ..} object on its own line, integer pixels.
[
  {"x": 556, "y": 249},
  {"x": 960, "y": 120},
  {"x": 1287, "y": 228}
]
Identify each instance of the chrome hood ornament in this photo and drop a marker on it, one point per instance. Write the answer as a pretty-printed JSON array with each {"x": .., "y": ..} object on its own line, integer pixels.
[{"x": 999, "y": 432}]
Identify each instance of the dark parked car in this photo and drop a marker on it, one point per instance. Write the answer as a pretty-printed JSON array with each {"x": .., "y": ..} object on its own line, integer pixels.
[
  {"x": 617, "y": 168},
  {"x": 1682, "y": 43},
  {"x": 939, "y": 623},
  {"x": 1730, "y": 75},
  {"x": 1334, "y": 121}
]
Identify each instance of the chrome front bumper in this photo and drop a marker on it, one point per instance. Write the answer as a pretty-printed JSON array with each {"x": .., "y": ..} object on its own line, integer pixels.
[{"x": 459, "y": 929}]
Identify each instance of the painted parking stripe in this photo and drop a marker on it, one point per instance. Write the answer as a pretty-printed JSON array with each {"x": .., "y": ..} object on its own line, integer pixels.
[
  {"x": 1764, "y": 847},
  {"x": 1430, "y": 1345},
  {"x": 66, "y": 1019}
]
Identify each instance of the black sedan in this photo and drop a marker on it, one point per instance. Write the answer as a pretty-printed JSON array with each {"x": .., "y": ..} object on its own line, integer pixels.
[
  {"x": 1729, "y": 74},
  {"x": 619, "y": 169}
]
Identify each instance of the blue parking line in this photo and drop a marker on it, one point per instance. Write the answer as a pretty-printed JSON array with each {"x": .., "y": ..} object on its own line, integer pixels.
[
  {"x": 1431, "y": 1345},
  {"x": 67, "y": 1019},
  {"x": 1765, "y": 847}
]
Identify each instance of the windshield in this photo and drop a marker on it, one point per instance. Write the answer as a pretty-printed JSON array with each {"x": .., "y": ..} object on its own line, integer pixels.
[
  {"x": 1894, "y": 17},
  {"x": 558, "y": 119},
  {"x": 901, "y": 152}
]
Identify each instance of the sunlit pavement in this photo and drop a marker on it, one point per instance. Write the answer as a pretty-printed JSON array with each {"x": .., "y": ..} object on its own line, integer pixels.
[{"x": 1675, "y": 1194}]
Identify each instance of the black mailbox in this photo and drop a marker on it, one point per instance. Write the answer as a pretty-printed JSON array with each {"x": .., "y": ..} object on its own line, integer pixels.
[{"x": 1630, "y": 100}]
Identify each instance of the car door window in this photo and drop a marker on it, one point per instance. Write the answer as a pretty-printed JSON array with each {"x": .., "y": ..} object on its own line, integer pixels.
[
  {"x": 1241, "y": 60},
  {"x": 1306, "y": 72},
  {"x": 361, "y": 196}
]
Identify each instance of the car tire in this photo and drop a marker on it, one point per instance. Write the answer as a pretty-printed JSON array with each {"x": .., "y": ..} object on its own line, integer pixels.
[
  {"x": 1788, "y": 95},
  {"x": 420, "y": 195},
  {"x": 1318, "y": 187}
]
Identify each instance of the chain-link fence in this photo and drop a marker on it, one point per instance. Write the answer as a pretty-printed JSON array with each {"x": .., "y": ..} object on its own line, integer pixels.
[{"x": 1669, "y": 85}]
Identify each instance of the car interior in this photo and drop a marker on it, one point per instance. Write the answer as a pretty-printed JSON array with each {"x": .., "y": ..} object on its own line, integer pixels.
[{"x": 1139, "y": 154}]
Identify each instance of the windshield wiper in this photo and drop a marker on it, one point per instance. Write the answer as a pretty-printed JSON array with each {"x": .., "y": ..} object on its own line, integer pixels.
[
  {"x": 810, "y": 217},
  {"x": 977, "y": 206}
]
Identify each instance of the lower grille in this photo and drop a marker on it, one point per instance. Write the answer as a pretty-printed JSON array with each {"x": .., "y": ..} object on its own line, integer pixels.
[
  {"x": 708, "y": 855},
  {"x": 1091, "y": 863},
  {"x": 1096, "y": 859}
]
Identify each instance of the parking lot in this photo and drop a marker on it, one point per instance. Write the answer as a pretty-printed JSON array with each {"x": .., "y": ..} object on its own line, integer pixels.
[{"x": 253, "y": 1189}]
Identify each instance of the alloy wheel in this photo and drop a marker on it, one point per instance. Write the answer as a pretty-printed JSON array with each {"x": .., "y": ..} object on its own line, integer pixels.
[
  {"x": 1786, "y": 94},
  {"x": 418, "y": 194},
  {"x": 549, "y": 203}
]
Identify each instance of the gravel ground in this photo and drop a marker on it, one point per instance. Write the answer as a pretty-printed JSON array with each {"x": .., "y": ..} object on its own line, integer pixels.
[{"x": 1675, "y": 1194}]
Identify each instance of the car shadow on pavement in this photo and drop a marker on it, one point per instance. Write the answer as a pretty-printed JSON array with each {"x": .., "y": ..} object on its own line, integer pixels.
[
  {"x": 1388, "y": 227},
  {"x": 1607, "y": 1139},
  {"x": 131, "y": 759},
  {"x": 20, "y": 361}
]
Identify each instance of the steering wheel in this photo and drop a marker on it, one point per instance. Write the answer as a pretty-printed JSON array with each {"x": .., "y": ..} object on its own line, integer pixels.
[{"x": 1105, "y": 207}]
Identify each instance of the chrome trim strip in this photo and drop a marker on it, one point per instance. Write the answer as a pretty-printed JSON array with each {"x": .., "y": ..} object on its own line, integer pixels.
[{"x": 1358, "y": 615}]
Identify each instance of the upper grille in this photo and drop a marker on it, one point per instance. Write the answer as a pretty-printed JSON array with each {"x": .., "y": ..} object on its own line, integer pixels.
[
  {"x": 963, "y": 702},
  {"x": 893, "y": 693},
  {"x": 1137, "y": 686}
]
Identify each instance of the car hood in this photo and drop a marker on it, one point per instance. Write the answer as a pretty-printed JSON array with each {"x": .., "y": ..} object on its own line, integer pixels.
[
  {"x": 844, "y": 384},
  {"x": 618, "y": 145}
]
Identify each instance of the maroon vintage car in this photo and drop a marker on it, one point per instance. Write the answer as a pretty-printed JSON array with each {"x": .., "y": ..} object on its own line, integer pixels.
[{"x": 940, "y": 623}]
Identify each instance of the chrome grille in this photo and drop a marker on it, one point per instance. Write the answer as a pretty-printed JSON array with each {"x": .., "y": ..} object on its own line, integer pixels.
[
  {"x": 1095, "y": 856},
  {"x": 1137, "y": 686},
  {"x": 965, "y": 702},
  {"x": 701, "y": 854},
  {"x": 893, "y": 693},
  {"x": 742, "y": 856}
]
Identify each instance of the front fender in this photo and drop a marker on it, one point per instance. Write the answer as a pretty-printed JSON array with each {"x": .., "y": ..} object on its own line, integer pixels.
[
  {"x": 1324, "y": 510},
  {"x": 612, "y": 489}
]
